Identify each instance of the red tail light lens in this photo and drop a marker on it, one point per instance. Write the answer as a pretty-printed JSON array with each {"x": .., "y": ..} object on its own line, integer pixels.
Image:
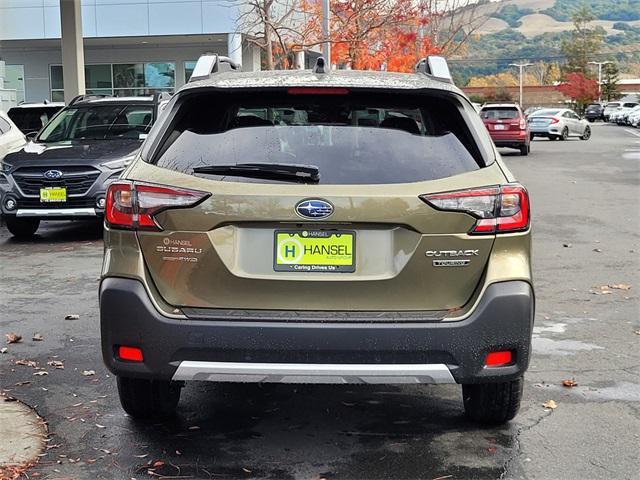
[
  {"x": 133, "y": 206},
  {"x": 523, "y": 124},
  {"x": 554, "y": 120},
  {"x": 498, "y": 209}
]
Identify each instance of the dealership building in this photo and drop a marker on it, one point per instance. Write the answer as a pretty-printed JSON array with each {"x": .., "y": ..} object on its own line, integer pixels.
[{"x": 131, "y": 47}]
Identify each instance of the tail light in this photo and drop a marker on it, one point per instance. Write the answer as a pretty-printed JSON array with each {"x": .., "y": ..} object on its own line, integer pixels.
[
  {"x": 554, "y": 120},
  {"x": 133, "y": 206},
  {"x": 498, "y": 209},
  {"x": 523, "y": 124}
]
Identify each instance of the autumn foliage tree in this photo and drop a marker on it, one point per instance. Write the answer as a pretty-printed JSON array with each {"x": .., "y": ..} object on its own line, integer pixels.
[
  {"x": 372, "y": 34},
  {"x": 580, "y": 89}
]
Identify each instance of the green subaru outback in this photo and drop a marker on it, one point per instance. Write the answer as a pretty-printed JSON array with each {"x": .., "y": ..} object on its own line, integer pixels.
[{"x": 318, "y": 227}]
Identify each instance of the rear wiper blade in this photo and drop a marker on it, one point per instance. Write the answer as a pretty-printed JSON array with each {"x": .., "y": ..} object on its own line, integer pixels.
[{"x": 271, "y": 171}]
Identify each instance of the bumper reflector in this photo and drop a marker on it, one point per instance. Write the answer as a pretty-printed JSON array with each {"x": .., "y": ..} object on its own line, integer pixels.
[
  {"x": 498, "y": 359},
  {"x": 132, "y": 354}
]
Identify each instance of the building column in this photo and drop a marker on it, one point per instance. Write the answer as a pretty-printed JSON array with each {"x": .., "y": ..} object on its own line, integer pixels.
[
  {"x": 72, "y": 49},
  {"x": 234, "y": 47}
]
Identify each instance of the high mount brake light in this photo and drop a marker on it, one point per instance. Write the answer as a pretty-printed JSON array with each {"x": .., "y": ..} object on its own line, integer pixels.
[
  {"x": 132, "y": 206},
  {"x": 317, "y": 91},
  {"x": 497, "y": 209}
]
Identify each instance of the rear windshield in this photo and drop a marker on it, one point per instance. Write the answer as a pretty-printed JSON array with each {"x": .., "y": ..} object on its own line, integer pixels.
[
  {"x": 613, "y": 104},
  {"x": 629, "y": 105},
  {"x": 545, "y": 113},
  {"x": 350, "y": 139},
  {"x": 499, "y": 113},
  {"x": 32, "y": 119}
]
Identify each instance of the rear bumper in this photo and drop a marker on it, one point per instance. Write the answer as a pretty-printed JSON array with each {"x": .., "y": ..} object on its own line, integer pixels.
[
  {"x": 515, "y": 139},
  {"x": 316, "y": 352}
]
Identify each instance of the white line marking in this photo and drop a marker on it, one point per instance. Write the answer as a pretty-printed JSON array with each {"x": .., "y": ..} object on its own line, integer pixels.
[{"x": 632, "y": 132}]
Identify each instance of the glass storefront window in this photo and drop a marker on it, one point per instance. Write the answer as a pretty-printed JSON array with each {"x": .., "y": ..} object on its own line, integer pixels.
[
  {"x": 14, "y": 80},
  {"x": 57, "y": 82},
  {"x": 98, "y": 77},
  {"x": 159, "y": 75},
  {"x": 128, "y": 75},
  {"x": 188, "y": 70}
]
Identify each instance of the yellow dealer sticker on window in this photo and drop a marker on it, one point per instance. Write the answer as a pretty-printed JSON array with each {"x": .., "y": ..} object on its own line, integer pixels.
[{"x": 314, "y": 251}]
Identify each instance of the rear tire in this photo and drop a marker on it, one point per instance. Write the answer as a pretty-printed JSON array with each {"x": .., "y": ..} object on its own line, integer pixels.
[
  {"x": 22, "y": 227},
  {"x": 492, "y": 403},
  {"x": 144, "y": 399},
  {"x": 524, "y": 150},
  {"x": 565, "y": 134},
  {"x": 586, "y": 135}
]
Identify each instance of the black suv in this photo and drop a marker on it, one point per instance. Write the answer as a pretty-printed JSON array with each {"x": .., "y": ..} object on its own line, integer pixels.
[
  {"x": 64, "y": 172},
  {"x": 593, "y": 112}
]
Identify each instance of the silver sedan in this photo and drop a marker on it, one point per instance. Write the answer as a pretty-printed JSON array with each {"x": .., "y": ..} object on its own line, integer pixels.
[{"x": 558, "y": 124}]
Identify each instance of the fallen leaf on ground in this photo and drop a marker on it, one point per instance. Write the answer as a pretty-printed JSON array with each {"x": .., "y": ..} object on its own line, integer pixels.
[
  {"x": 56, "y": 364},
  {"x": 194, "y": 427},
  {"x": 637, "y": 332},
  {"x": 158, "y": 463},
  {"x": 246, "y": 470},
  {"x": 37, "y": 337},
  {"x": 100, "y": 426},
  {"x": 567, "y": 245},
  {"x": 142, "y": 456},
  {"x": 599, "y": 250},
  {"x": 26, "y": 363},
  {"x": 72, "y": 317},
  {"x": 41, "y": 372},
  {"x": 550, "y": 404},
  {"x": 4, "y": 350},
  {"x": 620, "y": 286},
  {"x": 570, "y": 383},
  {"x": 13, "y": 337},
  {"x": 88, "y": 373}
]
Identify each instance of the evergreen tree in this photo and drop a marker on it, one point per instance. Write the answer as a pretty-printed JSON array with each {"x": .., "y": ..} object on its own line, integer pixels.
[
  {"x": 584, "y": 44},
  {"x": 610, "y": 81}
]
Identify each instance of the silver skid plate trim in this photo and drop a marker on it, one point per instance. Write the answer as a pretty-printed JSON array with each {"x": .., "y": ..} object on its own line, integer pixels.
[
  {"x": 56, "y": 212},
  {"x": 312, "y": 373}
]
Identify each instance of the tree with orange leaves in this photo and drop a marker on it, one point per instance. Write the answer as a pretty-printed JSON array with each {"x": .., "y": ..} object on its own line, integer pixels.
[{"x": 371, "y": 34}]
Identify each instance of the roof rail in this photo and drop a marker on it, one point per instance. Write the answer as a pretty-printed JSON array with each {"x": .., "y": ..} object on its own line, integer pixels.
[
  {"x": 435, "y": 67},
  {"x": 211, "y": 63},
  {"x": 160, "y": 101},
  {"x": 81, "y": 98}
]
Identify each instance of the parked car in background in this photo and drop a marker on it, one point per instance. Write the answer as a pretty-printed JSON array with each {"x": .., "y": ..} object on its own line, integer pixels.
[
  {"x": 622, "y": 116},
  {"x": 618, "y": 115},
  {"x": 558, "y": 124},
  {"x": 64, "y": 172},
  {"x": 31, "y": 117},
  {"x": 609, "y": 109},
  {"x": 265, "y": 234},
  {"x": 633, "y": 119},
  {"x": 10, "y": 138},
  {"x": 507, "y": 126},
  {"x": 593, "y": 112}
]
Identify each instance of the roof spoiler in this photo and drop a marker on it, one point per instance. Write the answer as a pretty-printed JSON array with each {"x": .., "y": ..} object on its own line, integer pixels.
[
  {"x": 210, "y": 64},
  {"x": 435, "y": 67}
]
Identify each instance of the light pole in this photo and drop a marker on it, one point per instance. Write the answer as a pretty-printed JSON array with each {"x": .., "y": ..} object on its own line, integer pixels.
[
  {"x": 520, "y": 67},
  {"x": 600, "y": 64},
  {"x": 326, "y": 47}
]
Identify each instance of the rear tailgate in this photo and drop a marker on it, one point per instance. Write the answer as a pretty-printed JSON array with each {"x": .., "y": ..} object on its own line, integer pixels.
[{"x": 407, "y": 255}]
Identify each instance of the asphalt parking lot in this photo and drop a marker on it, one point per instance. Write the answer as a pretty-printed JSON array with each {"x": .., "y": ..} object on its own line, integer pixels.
[{"x": 585, "y": 197}]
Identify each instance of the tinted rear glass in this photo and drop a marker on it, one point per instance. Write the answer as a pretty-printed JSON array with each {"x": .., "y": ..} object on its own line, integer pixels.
[
  {"x": 351, "y": 139},
  {"x": 499, "y": 113},
  {"x": 545, "y": 113},
  {"x": 32, "y": 119}
]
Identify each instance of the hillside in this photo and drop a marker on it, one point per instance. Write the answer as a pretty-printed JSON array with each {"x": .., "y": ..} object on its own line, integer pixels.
[{"x": 532, "y": 30}]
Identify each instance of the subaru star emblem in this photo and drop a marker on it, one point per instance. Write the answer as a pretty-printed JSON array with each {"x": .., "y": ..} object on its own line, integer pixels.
[
  {"x": 314, "y": 209},
  {"x": 53, "y": 174}
]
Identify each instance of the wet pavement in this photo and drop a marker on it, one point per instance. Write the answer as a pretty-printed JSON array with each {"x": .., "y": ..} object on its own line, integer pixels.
[{"x": 585, "y": 196}]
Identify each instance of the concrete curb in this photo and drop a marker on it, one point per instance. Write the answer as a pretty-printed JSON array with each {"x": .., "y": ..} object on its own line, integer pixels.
[{"x": 23, "y": 433}]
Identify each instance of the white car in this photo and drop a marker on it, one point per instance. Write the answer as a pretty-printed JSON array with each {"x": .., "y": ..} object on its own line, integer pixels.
[
  {"x": 633, "y": 118},
  {"x": 618, "y": 115},
  {"x": 558, "y": 124},
  {"x": 10, "y": 136},
  {"x": 609, "y": 109}
]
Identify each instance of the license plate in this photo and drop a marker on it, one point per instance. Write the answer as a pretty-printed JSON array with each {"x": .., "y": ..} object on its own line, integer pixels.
[
  {"x": 53, "y": 194},
  {"x": 314, "y": 251},
  {"x": 499, "y": 127}
]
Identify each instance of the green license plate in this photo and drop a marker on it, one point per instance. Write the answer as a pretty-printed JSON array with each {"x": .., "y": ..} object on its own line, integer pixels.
[
  {"x": 53, "y": 194},
  {"x": 314, "y": 251}
]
